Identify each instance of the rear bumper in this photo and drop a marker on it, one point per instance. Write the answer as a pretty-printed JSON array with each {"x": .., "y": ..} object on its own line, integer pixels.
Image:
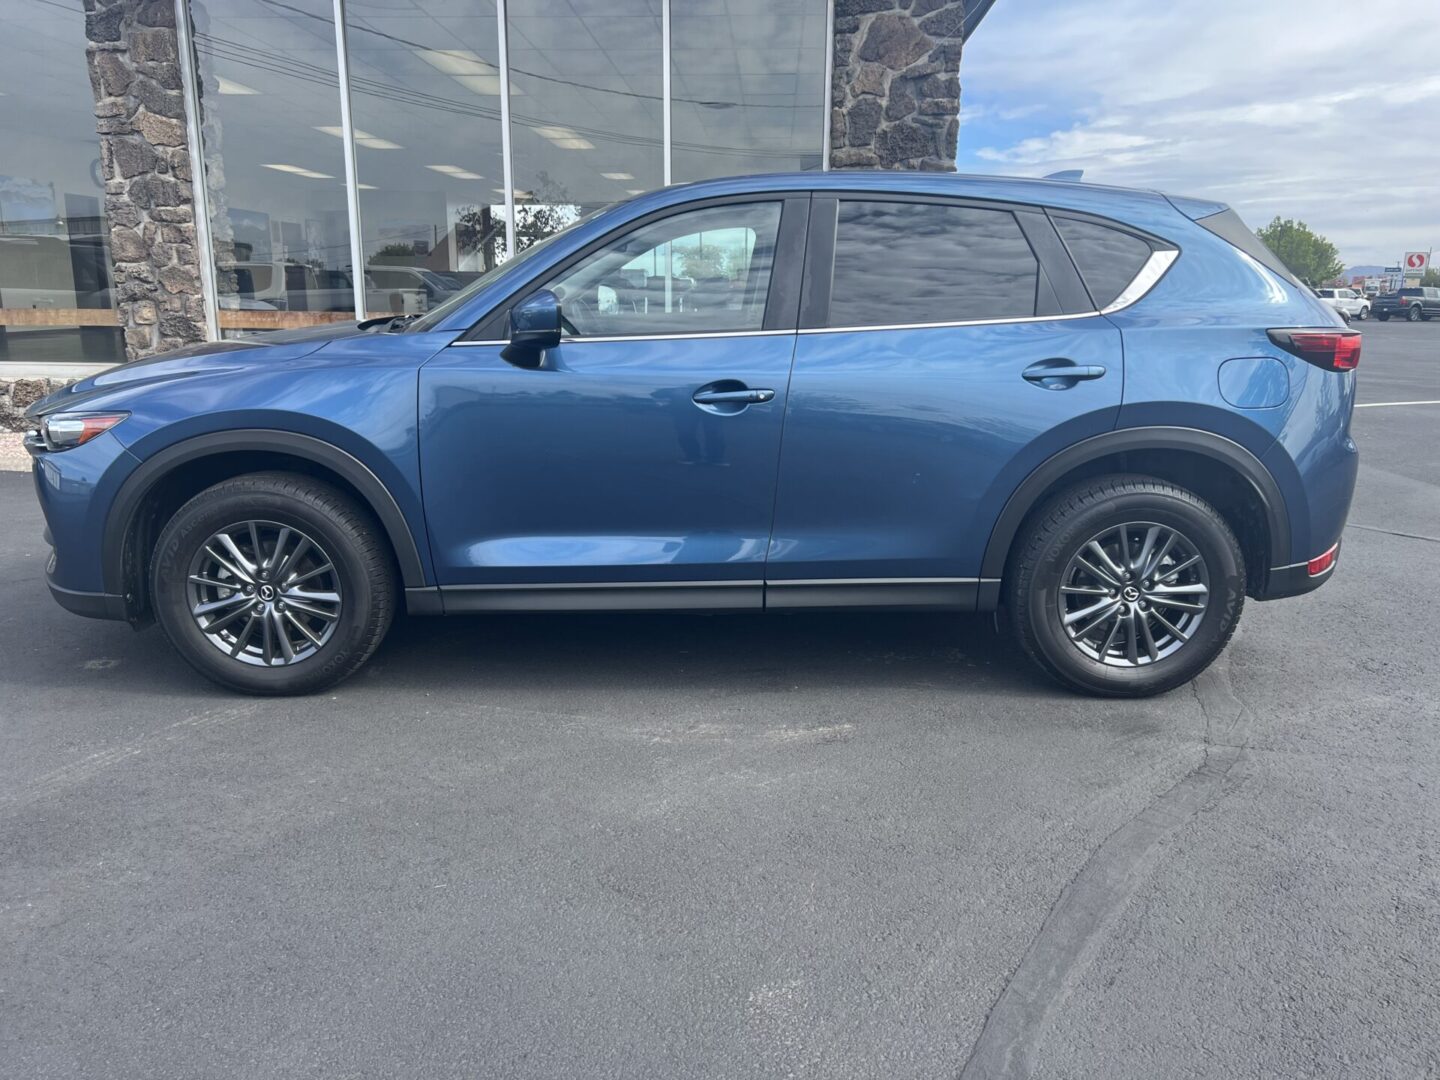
[{"x": 1283, "y": 581}]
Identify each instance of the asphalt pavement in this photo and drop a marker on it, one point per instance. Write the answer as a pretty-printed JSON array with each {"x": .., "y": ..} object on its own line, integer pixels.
[{"x": 741, "y": 846}]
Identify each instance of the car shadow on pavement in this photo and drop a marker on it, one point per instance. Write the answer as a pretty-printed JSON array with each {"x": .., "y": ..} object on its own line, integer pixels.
[{"x": 698, "y": 653}]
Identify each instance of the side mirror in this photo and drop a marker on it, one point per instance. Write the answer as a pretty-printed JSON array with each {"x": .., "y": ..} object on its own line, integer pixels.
[{"x": 534, "y": 327}]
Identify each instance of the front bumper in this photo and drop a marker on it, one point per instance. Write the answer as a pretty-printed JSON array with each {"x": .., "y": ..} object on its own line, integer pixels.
[
  {"x": 89, "y": 604},
  {"x": 75, "y": 488}
]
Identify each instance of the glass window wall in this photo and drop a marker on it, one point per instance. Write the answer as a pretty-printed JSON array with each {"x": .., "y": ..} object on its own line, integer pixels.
[
  {"x": 55, "y": 278},
  {"x": 425, "y": 102},
  {"x": 274, "y": 163},
  {"x": 747, "y": 87},
  {"x": 586, "y": 110},
  {"x": 583, "y": 81}
]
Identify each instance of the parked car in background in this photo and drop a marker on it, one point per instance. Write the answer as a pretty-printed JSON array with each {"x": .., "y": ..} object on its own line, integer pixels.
[
  {"x": 437, "y": 287},
  {"x": 1347, "y": 302},
  {"x": 976, "y": 380},
  {"x": 1413, "y": 304},
  {"x": 292, "y": 286}
]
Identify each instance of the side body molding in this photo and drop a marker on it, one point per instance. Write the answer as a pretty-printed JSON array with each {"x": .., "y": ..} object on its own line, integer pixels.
[
  {"x": 132, "y": 493},
  {"x": 1138, "y": 440}
]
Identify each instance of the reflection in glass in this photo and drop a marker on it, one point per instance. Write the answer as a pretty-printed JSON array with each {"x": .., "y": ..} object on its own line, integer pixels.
[
  {"x": 425, "y": 101},
  {"x": 585, "y": 108},
  {"x": 747, "y": 87},
  {"x": 55, "y": 284},
  {"x": 697, "y": 272},
  {"x": 274, "y": 164},
  {"x": 924, "y": 262}
]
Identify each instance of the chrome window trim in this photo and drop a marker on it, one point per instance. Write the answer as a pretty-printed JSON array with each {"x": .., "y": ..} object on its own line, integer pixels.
[
  {"x": 1149, "y": 275},
  {"x": 697, "y": 336},
  {"x": 957, "y": 322}
]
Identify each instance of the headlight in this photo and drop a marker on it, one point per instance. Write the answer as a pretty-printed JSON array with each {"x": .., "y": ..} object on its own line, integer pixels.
[{"x": 62, "y": 431}]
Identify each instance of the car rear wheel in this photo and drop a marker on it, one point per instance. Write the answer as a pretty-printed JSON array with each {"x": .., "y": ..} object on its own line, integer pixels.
[
  {"x": 1125, "y": 586},
  {"x": 1383, "y": 316},
  {"x": 1413, "y": 313},
  {"x": 273, "y": 583}
]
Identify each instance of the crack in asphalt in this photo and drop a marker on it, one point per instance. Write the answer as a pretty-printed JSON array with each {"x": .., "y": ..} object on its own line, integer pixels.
[
  {"x": 1101, "y": 889},
  {"x": 1392, "y": 532}
]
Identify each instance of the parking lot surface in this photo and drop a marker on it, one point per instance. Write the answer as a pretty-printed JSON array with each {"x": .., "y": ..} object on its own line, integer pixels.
[{"x": 741, "y": 846}]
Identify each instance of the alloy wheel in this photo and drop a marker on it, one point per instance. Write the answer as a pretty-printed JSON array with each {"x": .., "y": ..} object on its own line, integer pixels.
[
  {"x": 264, "y": 593},
  {"x": 1134, "y": 594}
]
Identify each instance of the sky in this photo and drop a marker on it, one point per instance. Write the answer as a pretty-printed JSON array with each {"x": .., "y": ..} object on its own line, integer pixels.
[{"x": 1319, "y": 110}]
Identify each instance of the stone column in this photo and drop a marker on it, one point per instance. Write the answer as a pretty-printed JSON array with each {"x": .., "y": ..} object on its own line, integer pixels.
[
  {"x": 895, "y": 96},
  {"x": 140, "y": 118}
]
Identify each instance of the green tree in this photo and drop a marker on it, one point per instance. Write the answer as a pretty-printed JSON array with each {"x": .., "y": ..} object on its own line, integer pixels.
[
  {"x": 1310, "y": 257},
  {"x": 1431, "y": 278}
]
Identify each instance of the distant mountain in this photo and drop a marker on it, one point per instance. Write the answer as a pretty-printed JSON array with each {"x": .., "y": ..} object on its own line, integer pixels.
[{"x": 1364, "y": 271}]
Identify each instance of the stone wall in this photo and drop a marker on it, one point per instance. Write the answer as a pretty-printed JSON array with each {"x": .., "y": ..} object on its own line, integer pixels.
[
  {"x": 17, "y": 395},
  {"x": 140, "y": 118},
  {"x": 895, "y": 95}
]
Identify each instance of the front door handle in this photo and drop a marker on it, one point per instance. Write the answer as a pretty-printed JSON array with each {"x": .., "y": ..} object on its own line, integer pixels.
[
  {"x": 1060, "y": 374},
  {"x": 732, "y": 397}
]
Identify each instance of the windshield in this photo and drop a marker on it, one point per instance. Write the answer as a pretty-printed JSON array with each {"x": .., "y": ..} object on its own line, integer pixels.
[{"x": 436, "y": 315}]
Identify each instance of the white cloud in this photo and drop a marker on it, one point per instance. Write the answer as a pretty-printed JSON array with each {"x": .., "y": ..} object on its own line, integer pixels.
[{"x": 1307, "y": 108}]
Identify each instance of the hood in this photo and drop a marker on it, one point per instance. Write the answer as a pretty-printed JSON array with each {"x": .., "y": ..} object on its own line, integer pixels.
[{"x": 209, "y": 357}]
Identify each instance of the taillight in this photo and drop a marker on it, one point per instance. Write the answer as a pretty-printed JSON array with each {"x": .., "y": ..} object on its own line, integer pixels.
[
  {"x": 1333, "y": 350},
  {"x": 1321, "y": 563}
]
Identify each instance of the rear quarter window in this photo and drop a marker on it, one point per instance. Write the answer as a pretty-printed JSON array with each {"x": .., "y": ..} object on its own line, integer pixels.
[{"x": 1107, "y": 258}]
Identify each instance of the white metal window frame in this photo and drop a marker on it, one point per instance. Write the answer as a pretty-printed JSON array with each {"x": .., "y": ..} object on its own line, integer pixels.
[{"x": 195, "y": 138}]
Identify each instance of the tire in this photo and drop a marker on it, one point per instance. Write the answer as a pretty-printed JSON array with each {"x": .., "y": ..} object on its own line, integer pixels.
[
  {"x": 261, "y": 637},
  {"x": 1363, "y": 314},
  {"x": 1045, "y": 558},
  {"x": 1383, "y": 316},
  {"x": 1413, "y": 313}
]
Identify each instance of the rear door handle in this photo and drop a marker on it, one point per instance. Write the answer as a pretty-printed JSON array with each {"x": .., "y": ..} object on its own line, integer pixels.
[
  {"x": 1060, "y": 374},
  {"x": 732, "y": 397}
]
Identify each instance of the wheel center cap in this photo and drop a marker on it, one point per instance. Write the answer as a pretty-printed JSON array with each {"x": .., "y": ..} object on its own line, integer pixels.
[
  {"x": 267, "y": 592},
  {"x": 1131, "y": 593}
]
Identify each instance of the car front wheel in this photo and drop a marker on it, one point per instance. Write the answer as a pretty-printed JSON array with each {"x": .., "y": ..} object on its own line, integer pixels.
[
  {"x": 1125, "y": 586},
  {"x": 273, "y": 583}
]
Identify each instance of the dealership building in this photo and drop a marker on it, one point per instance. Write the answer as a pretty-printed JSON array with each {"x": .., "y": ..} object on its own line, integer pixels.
[{"x": 177, "y": 171}]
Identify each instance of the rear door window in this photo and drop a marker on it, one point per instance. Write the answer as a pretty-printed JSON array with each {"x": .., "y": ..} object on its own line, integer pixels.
[
  {"x": 901, "y": 263},
  {"x": 1107, "y": 258}
]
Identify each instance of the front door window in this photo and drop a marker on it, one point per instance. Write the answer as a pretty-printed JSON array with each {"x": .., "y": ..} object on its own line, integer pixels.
[{"x": 704, "y": 271}]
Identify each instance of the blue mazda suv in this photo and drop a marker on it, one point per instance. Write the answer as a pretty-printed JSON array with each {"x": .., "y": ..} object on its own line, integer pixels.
[{"x": 1110, "y": 415}]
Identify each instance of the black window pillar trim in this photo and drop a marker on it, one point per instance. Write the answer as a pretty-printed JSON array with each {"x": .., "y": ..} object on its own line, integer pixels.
[
  {"x": 1057, "y": 269},
  {"x": 819, "y": 263}
]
